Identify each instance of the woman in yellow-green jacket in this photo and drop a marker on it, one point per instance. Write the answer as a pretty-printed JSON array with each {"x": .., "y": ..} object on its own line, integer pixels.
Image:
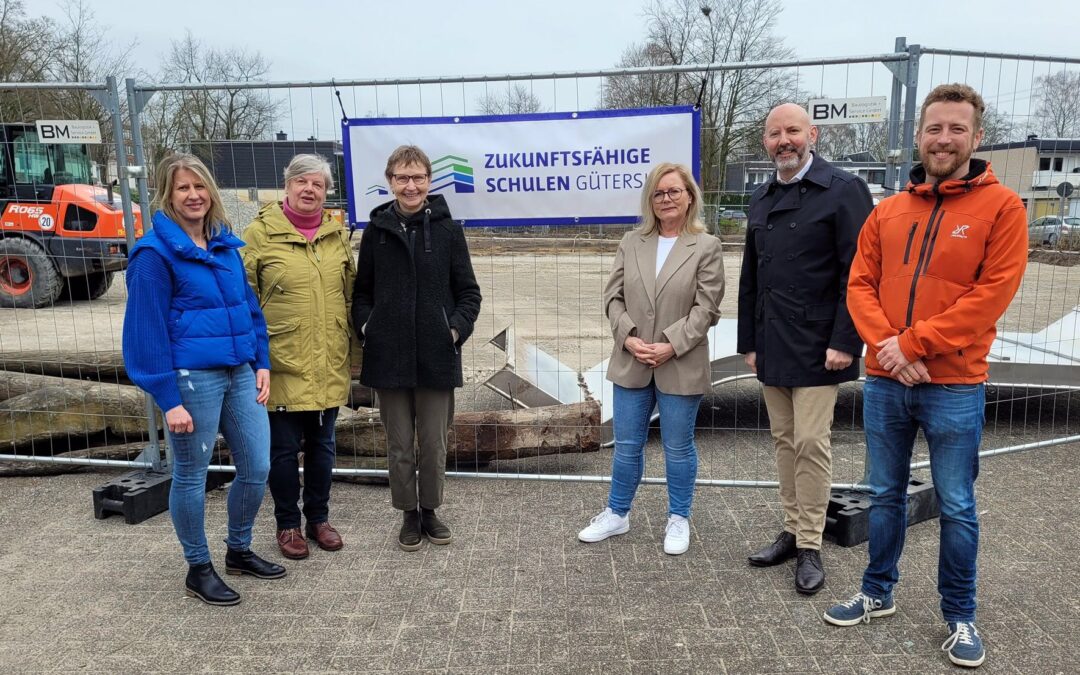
[{"x": 301, "y": 266}]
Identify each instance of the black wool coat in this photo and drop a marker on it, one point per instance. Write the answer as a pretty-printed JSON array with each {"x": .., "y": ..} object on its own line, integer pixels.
[
  {"x": 800, "y": 240},
  {"x": 414, "y": 283}
]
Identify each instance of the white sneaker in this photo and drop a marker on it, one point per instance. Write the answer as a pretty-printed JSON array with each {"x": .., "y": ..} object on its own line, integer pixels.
[
  {"x": 606, "y": 524},
  {"x": 677, "y": 535}
]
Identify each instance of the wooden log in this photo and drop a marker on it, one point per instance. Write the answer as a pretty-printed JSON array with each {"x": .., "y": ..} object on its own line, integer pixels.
[
  {"x": 71, "y": 408},
  {"x": 104, "y": 366},
  {"x": 480, "y": 437}
]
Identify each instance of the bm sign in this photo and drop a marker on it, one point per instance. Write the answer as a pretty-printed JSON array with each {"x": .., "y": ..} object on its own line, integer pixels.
[
  {"x": 69, "y": 131},
  {"x": 825, "y": 111}
]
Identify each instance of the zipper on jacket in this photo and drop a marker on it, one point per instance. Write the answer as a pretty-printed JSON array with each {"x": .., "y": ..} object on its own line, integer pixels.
[
  {"x": 910, "y": 237},
  {"x": 924, "y": 255}
]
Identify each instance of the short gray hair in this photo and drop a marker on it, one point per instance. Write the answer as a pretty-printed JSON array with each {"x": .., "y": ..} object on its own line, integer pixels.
[{"x": 301, "y": 165}]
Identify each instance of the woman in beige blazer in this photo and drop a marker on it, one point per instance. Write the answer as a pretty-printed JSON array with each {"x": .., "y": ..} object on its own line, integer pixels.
[{"x": 662, "y": 298}]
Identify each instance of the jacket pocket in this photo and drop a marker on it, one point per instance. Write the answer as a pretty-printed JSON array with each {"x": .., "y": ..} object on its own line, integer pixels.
[
  {"x": 270, "y": 289},
  {"x": 285, "y": 346},
  {"x": 449, "y": 330},
  {"x": 339, "y": 344}
]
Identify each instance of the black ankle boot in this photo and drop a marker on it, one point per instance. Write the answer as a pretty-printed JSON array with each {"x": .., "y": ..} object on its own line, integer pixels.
[
  {"x": 246, "y": 562},
  {"x": 436, "y": 530},
  {"x": 409, "y": 537},
  {"x": 204, "y": 583}
]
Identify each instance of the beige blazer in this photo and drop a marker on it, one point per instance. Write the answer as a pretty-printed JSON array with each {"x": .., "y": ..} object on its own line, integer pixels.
[{"x": 678, "y": 306}]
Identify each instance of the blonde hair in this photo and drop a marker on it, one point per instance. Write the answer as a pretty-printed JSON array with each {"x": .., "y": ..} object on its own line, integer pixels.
[
  {"x": 302, "y": 165},
  {"x": 693, "y": 214},
  {"x": 216, "y": 220}
]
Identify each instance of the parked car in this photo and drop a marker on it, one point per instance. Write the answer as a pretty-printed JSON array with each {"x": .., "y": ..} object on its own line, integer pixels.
[
  {"x": 1048, "y": 230},
  {"x": 732, "y": 214}
]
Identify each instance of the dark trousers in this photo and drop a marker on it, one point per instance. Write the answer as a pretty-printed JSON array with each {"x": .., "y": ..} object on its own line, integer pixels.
[
  {"x": 290, "y": 432},
  {"x": 410, "y": 415}
]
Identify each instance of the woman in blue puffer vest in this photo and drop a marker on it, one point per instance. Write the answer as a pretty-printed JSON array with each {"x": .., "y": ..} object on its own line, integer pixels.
[{"x": 195, "y": 340}]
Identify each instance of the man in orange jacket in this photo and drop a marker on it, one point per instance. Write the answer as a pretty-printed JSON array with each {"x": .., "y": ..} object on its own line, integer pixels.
[{"x": 936, "y": 267}]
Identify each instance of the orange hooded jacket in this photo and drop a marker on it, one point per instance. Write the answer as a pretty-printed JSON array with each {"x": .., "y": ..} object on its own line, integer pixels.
[{"x": 938, "y": 264}]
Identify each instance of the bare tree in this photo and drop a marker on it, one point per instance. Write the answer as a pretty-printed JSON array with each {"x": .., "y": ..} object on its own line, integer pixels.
[
  {"x": 998, "y": 127},
  {"x": 841, "y": 140},
  {"x": 25, "y": 56},
  {"x": 516, "y": 100},
  {"x": 1058, "y": 111},
  {"x": 733, "y": 102},
  {"x": 83, "y": 52},
  {"x": 173, "y": 118}
]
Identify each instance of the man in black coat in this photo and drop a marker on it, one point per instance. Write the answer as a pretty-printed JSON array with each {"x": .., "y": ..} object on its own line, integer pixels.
[{"x": 794, "y": 326}]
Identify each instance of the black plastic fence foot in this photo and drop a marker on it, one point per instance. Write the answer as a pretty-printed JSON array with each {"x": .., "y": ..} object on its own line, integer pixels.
[
  {"x": 140, "y": 495},
  {"x": 136, "y": 496},
  {"x": 847, "y": 521}
]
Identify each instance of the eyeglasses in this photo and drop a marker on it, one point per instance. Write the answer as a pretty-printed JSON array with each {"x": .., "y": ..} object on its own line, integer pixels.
[
  {"x": 673, "y": 194},
  {"x": 402, "y": 179}
]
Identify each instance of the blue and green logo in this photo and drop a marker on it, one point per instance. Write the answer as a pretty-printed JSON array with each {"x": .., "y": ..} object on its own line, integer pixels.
[
  {"x": 451, "y": 170},
  {"x": 377, "y": 190}
]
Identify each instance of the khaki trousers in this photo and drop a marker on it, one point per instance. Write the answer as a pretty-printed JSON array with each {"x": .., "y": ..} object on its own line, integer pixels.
[
  {"x": 801, "y": 422},
  {"x": 407, "y": 414}
]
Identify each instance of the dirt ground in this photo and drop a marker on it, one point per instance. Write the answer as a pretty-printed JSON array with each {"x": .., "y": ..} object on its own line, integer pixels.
[{"x": 551, "y": 297}]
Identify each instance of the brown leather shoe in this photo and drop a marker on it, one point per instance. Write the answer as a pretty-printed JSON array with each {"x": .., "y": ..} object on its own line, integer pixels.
[
  {"x": 292, "y": 543},
  {"x": 325, "y": 536}
]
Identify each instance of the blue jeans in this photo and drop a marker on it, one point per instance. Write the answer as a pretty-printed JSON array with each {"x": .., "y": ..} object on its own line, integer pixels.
[
  {"x": 290, "y": 432},
  {"x": 951, "y": 417},
  {"x": 218, "y": 398},
  {"x": 630, "y": 423}
]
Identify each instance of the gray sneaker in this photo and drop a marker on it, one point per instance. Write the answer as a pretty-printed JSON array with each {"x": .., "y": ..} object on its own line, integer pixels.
[{"x": 859, "y": 609}]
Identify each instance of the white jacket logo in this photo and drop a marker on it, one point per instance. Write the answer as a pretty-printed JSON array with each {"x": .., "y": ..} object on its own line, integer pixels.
[{"x": 961, "y": 231}]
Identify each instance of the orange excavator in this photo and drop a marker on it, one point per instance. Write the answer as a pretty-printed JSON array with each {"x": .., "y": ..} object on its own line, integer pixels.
[{"x": 60, "y": 235}]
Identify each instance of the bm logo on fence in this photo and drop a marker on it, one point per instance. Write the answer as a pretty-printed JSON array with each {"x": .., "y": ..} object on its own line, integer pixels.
[{"x": 446, "y": 171}]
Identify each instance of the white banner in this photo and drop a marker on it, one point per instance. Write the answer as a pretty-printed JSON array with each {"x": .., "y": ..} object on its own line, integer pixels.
[
  {"x": 826, "y": 111},
  {"x": 537, "y": 169},
  {"x": 69, "y": 131}
]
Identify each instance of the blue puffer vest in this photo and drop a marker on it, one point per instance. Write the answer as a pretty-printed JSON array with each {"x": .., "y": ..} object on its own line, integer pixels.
[{"x": 210, "y": 323}]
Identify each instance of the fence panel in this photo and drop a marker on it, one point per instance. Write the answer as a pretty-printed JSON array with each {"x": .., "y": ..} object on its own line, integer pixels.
[{"x": 545, "y": 282}]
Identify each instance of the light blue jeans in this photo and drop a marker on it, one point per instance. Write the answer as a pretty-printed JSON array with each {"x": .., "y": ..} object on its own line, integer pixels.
[
  {"x": 630, "y": 423},
  {"x": 951, "y": 417},
  {"x": 218, "y": 398}
]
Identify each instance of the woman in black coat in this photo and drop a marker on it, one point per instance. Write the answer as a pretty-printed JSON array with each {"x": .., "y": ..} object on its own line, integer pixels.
[{"x": 414, "y": 305}]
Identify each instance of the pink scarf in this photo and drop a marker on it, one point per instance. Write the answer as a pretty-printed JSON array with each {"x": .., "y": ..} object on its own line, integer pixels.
[{"x": 304, "y": 224}]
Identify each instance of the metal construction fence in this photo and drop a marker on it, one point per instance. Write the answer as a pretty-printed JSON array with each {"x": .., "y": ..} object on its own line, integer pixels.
[{"x": 542, "y": 285}]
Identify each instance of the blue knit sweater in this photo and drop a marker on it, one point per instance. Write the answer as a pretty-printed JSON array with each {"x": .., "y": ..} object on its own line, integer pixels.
[{"x": 188, "y": 308}]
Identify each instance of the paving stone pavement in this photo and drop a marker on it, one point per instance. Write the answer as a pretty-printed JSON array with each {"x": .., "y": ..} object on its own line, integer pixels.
[{"x": 517, "y": 593}]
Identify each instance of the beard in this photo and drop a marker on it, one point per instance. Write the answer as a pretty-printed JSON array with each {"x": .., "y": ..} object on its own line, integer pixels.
[
  {"x": 942, "y": 169},
  {"x": 792, "y": 162}
]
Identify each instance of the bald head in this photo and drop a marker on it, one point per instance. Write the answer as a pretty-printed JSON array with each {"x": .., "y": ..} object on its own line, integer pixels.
[
  {"x": 787, "y": 112},
  {"x": 788, "y": 138}
]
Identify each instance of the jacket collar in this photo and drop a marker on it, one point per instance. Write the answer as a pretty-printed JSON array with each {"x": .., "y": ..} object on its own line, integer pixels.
[
  {"x": 181, "y": 244},
  {"x": 820, "y": 173},
  {"x": 979, "y": 174},
  {"x": 646, "y": 260},
  {"x": 386, "y": 217}
]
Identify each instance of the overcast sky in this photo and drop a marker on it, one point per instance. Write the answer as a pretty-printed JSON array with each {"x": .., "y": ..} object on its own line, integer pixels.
[{"x": 317, "y": 40}]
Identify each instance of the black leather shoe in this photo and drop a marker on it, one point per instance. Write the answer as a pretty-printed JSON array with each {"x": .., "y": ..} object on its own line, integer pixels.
[
  {"x": 436, "y": 530},
  {"x": 775, "y": 553},
  {"x": 409, "y": 537},
  {"x": 203, "y": 583},
  {"x": 809, "y": 574},
  {"x": 246, "y": 562}
]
